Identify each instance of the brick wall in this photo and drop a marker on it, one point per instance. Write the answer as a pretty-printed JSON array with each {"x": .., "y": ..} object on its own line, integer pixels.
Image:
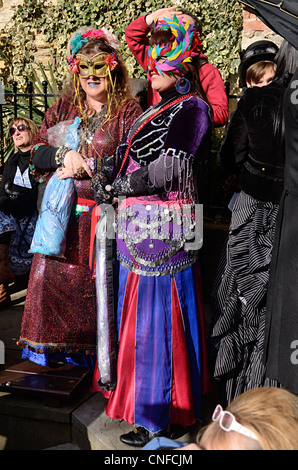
[
  {"x": 252, "y": 23},
  {"x": 255, "y": 30}
]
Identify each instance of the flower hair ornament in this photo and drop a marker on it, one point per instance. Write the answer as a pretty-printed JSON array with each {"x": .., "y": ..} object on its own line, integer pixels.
[
  {"x": 105, "y": 35},
  {"x": 173, "y": 58}
]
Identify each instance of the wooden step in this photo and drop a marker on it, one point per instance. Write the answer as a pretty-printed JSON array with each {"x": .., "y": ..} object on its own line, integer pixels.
[{"x": 55, "y": 384}]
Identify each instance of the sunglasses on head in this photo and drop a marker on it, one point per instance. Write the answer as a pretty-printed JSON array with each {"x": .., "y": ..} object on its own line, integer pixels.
[
  {"x": 227, "y": 422},
  {"x": 20, "y": 128}
]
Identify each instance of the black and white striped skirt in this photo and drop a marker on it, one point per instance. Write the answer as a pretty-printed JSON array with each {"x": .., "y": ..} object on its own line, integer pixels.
[{"x": 239, "y": 297}]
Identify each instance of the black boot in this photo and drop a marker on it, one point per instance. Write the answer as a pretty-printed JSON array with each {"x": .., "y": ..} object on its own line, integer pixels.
[
  {"x": 173, "y": 431},
  {"x": 138, "y": 437}
]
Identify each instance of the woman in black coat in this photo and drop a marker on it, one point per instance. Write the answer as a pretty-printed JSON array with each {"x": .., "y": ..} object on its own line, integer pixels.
[
  {"x": 254, "y": 150},
  {"x": 281, "y": 341},
  {"x": 18, "y": 207}
]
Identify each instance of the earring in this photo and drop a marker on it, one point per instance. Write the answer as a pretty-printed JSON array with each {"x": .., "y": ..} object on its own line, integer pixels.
[{"x": 183, "y": 85}]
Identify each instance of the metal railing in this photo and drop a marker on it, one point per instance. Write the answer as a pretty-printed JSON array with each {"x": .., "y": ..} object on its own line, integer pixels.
[{"x": 9, "y": 105}]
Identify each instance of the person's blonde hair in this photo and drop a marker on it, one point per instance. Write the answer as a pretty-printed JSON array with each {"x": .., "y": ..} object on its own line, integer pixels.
[
  {"x": 270, "y": 413},
  {"x": 32, "y": 127},
  {"x": 256, "y": 71}
]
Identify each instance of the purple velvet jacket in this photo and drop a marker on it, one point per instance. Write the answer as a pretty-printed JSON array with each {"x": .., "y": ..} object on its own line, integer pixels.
[{"x": 157, "y": 223}]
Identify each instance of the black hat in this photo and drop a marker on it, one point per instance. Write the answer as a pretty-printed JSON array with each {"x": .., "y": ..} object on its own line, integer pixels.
[{"x": 255, "y": 52}]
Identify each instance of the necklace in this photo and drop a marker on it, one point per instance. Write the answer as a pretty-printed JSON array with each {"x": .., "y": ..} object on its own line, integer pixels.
[{"x": 92, "y": 121}]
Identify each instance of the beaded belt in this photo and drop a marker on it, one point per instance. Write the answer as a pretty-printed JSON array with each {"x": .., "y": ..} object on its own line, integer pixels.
[{"x": 151, "y": 238}]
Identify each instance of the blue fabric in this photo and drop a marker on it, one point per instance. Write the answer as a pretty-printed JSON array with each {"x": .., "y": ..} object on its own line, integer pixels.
[
  {"x": 45, "y": 359},
  {"x": 72, "y": 137},
  {"x": 153, "y": 344},
  {"x": 122, "y": 275},
  {"x": 50, "y": 233},
  {"x": 7, "y": 223},
  {"x": 22, "y": 231},
  {"x": 158, "y": 442},
  {"x": 154, "y": 352}
]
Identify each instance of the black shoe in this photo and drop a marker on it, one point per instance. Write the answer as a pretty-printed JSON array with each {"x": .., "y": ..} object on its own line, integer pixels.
[
  {"x": 174, "y": 431},
  {"x": 177, "y": 430},
  {"x": 136, "y": 438}
]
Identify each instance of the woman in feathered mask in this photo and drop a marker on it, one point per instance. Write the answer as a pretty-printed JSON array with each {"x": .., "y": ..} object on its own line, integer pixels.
[{"x": 161, "y": 368}]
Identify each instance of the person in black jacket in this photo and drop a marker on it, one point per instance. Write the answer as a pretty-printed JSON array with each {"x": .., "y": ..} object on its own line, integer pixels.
[
  {"x": 254, "y": 150},
  {"x": 18, "y": 207}
]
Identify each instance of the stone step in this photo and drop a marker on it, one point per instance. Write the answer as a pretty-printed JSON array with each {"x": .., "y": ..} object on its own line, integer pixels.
[{"x": 93, "y": 429}]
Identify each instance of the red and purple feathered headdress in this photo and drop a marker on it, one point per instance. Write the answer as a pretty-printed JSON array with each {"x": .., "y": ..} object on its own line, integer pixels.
[{"x": 185, "y": 44}]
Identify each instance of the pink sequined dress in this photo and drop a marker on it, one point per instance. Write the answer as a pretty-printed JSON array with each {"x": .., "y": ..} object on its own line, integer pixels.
[{"x": 59, "y": 317}]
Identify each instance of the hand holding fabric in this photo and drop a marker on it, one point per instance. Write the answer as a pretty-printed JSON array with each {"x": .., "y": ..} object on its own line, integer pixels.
[{"x": 72, "y": 161}]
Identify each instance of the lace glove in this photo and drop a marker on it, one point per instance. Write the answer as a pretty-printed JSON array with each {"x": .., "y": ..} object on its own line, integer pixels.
[
  {"x": 102, "y": 179},
  {"x": 135, "y": 183}
]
